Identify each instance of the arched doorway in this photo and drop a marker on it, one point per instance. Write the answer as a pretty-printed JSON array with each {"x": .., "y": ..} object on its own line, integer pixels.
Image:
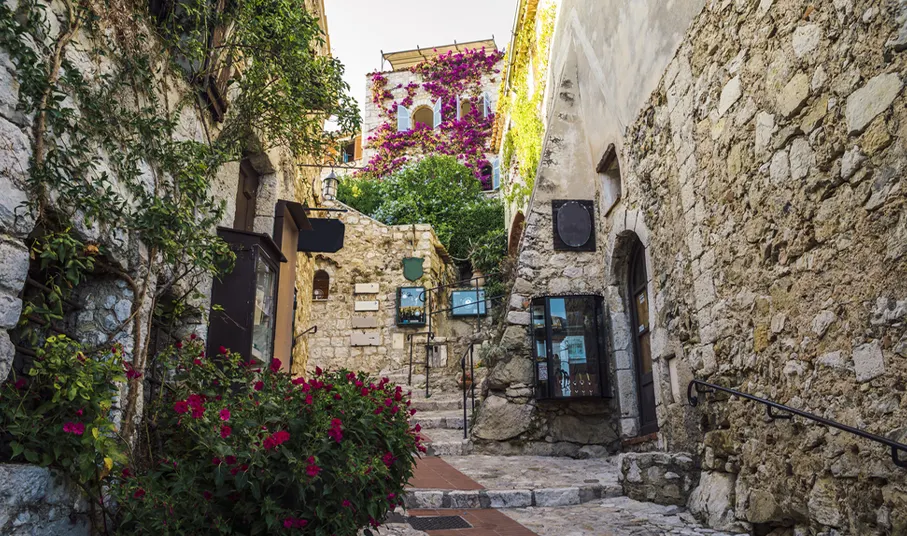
[
  {"x": 639, "y": 313},
  {"x": 516, "y": 232}
]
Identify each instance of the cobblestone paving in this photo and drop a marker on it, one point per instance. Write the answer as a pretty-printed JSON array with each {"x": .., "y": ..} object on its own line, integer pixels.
[
  {"x": 610, "y": 517},
  {"x": 528, "y": 472}
]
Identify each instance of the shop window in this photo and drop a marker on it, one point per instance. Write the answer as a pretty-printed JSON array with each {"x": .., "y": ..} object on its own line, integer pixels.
[
  {"x": 567, "y": 347},
  {"x": 321, "y": 286},
  {"x": 468, "y": 303},
  {"x": 411, "y": 306},
  {"x": 244, "y": 301}
]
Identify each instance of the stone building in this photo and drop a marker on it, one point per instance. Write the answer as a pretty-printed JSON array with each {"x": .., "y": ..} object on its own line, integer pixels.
[
  {"x": 373, "y": 315},
  {"x": 263, "y": 195},
  {"x": 435, "y": 100},
  {"x": 734, "y": 175}
]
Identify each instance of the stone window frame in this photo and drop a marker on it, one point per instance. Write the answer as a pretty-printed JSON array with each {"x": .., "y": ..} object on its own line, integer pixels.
[{"x": 608, "y": 169}]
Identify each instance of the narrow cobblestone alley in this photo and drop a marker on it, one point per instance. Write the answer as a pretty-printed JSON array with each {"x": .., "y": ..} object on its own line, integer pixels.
[{"x": 520, "y": 495}]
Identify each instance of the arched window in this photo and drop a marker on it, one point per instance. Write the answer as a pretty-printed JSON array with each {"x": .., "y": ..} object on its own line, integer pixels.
[
  {"x": 321, "y": 285},
  {"x": 424, "y": 115}
]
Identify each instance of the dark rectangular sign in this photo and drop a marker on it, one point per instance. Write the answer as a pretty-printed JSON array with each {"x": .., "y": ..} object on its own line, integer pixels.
[{"x": 326, "y": 236}]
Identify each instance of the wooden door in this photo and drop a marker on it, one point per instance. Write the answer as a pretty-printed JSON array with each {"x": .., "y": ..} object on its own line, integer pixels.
[{"x": 641, "y": 333}]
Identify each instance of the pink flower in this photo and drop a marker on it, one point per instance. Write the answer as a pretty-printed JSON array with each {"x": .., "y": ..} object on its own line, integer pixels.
[
  {"x": 178, "y": 344},
  {"x": 318, "y": 371},
  {"x": 225, "y": 431},
  {"x": 139, "y": 493},
  {"x": 74, "y": 428},
  {"x": 222, "y": 350},
  {"x": 388, "y": 459},
  {"x": 80, "y": 411},
  {"x": 259, "y": 385},
  {"x": 308, "y": 400},
  {"x": 312, "y": 469},
  {"x": 181, "y": 406},
  {"x": 230, "y": 460},
  {"x": 346, "y": 503},
  {"x": 207, "y": 495},
  {"x": 275, "y": 365},
  {"x": 225, "y": 414},
  {"x": 193, "y": 336},
  {"x": 276, "y": 439},
  {"x": 20, "y": 384}
]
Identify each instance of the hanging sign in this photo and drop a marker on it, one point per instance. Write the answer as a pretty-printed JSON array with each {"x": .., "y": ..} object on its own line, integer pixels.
[{"x": 412, "y": 268}]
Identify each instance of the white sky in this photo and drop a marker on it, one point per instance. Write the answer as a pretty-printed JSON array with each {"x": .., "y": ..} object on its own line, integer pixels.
[{"x": 361, "y": 29}]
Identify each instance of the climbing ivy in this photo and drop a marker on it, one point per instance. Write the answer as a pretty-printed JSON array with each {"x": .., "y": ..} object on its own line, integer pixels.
[
  {"x": 109, "y": 89},
  {"x": 524, "y": 137}
]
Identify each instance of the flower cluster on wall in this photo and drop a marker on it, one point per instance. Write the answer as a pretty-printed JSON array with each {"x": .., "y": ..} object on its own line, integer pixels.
[{"x": 452, "y": 80}]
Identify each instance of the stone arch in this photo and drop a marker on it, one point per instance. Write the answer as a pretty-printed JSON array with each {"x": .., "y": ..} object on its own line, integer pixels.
[
  {"x": 516, "y": 233},
  {"x": 321, "y": 285},
  {"x": 629, "y": 231}
]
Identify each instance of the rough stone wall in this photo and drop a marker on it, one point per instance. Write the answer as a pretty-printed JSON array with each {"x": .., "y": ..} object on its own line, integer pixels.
[
  {"x": 373, "y": 253},
  {"x": 36, "y": 502},
  {"x": 768, "y": 168}
]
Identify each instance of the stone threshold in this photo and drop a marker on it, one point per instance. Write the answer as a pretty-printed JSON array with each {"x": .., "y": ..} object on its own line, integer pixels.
[{"x": 508, "y": 498}]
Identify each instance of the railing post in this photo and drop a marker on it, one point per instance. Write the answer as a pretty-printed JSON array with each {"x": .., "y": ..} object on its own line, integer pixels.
[
  {"x": 409, "y": 380},
  {"x": 472, "y": 375},
  {"x": 463, "y": 371}
]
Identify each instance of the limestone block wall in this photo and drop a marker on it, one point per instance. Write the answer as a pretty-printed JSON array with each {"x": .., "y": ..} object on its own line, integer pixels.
[
  {"x": 768, "y": 168},
  {"x": 373, "y": 254},
  {"x": 37, "y": 502}
]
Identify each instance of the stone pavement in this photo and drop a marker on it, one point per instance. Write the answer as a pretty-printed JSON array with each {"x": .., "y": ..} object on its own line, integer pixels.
[{"x": 522, "y": 495}]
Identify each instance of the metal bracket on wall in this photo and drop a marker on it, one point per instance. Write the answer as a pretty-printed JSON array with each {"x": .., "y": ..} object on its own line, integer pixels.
[{"x": 313, "y": 329}]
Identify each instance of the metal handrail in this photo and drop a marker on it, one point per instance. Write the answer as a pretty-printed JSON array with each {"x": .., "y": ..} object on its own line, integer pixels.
[
  {"x": 769, "y": 405},
  {"x": 471, "y": 351}
]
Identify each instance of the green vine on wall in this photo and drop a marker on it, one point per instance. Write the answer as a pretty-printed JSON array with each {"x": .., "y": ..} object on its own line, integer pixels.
[
  {"x": 112, "y": 166},
  {"x": 523, "y": 140}
]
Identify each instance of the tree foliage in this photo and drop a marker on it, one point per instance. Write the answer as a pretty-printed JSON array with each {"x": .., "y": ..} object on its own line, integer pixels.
[{"x": 441, "y": 192}]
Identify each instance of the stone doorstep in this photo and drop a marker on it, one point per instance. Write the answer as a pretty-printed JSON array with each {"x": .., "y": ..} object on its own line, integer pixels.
[
  {"x": 508, "y": 498},
  {"x": 450, "y": 420}
]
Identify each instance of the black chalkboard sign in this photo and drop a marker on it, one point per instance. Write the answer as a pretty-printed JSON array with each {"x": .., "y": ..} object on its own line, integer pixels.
[{"x": 573, "y": 223}]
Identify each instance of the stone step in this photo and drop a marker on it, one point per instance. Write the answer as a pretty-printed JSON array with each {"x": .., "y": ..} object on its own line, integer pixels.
[
  {"x": 431, "y": 420},
  {"x": 444, "y": 442},
  {"x": 509, "y": 498},
  {"x": 442, "y": 402}
]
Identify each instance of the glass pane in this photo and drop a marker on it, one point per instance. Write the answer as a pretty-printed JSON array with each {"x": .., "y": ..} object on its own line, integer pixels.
[
  {"x": 539, "y": 348},
  {"x": 263, "y": 315},
  {"x": 575, "y": 359},
  {"x": 642, "y": 313},
  {"x": 411, "y": 306},
  {"x": 464, "y": 302},
  {"x": 645, "y": 354}
]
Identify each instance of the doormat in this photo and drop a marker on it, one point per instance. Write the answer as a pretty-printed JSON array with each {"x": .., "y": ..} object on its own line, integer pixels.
[{"x": 438, "y": 523}]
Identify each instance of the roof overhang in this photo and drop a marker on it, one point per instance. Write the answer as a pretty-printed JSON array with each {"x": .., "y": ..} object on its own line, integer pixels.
[{"x": 405, "y": 59}]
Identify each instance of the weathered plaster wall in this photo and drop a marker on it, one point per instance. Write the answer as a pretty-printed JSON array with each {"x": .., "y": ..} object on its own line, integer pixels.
[{"x": 373, "y": 253}]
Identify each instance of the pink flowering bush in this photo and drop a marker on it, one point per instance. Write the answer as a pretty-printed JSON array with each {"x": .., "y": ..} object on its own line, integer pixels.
[
  {"x": 446, "y": 77},
  {"x": 242, "y": 448},
  {"x": 57, "y": 414}
]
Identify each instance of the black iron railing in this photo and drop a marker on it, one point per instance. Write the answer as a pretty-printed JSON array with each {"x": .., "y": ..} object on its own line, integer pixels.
[
  {"x": 470, "y": 352},
  {"x": 702, "y": 387}
]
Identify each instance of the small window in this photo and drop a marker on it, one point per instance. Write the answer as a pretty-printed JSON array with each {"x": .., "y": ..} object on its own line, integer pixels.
[
  {"x": 246, "y": 197},
  {"x": 486, "y": 177},
  {"x": 321, "y": 286},
  {"x": 609, "y": 169},
  {"x": 411, "y": 306},
  {"x": 464, "y": 107},
  {"x": 425, "y": 116},
  {"x": 347, "y": 151},
  {"x": 568, "y": 348}
]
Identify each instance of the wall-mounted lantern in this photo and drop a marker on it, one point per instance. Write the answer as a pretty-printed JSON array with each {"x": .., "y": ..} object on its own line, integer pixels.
[
  {"x": 568, "y": 347},
  {"x": 329, "y": 186}
]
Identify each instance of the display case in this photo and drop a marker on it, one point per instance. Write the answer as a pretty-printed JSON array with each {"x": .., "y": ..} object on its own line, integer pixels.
[
  {"x": 411, "y": 306},
  {"x": 468, "y": 303},
  {"x": 568, "y": 347},
  {"x": 244, "y": 301}
]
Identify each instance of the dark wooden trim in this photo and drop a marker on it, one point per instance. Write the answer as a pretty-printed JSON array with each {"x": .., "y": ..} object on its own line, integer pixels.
[{"x": 607, "y": 159}]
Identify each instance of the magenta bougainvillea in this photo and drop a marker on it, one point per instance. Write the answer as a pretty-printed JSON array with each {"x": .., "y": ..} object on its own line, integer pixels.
[{"x": 447, "y": 77}]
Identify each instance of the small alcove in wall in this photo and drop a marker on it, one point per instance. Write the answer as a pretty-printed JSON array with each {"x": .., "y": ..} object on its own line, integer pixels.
[
  {"x": 321, "y": 286},
  {"x": 608, "y": 169}
]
